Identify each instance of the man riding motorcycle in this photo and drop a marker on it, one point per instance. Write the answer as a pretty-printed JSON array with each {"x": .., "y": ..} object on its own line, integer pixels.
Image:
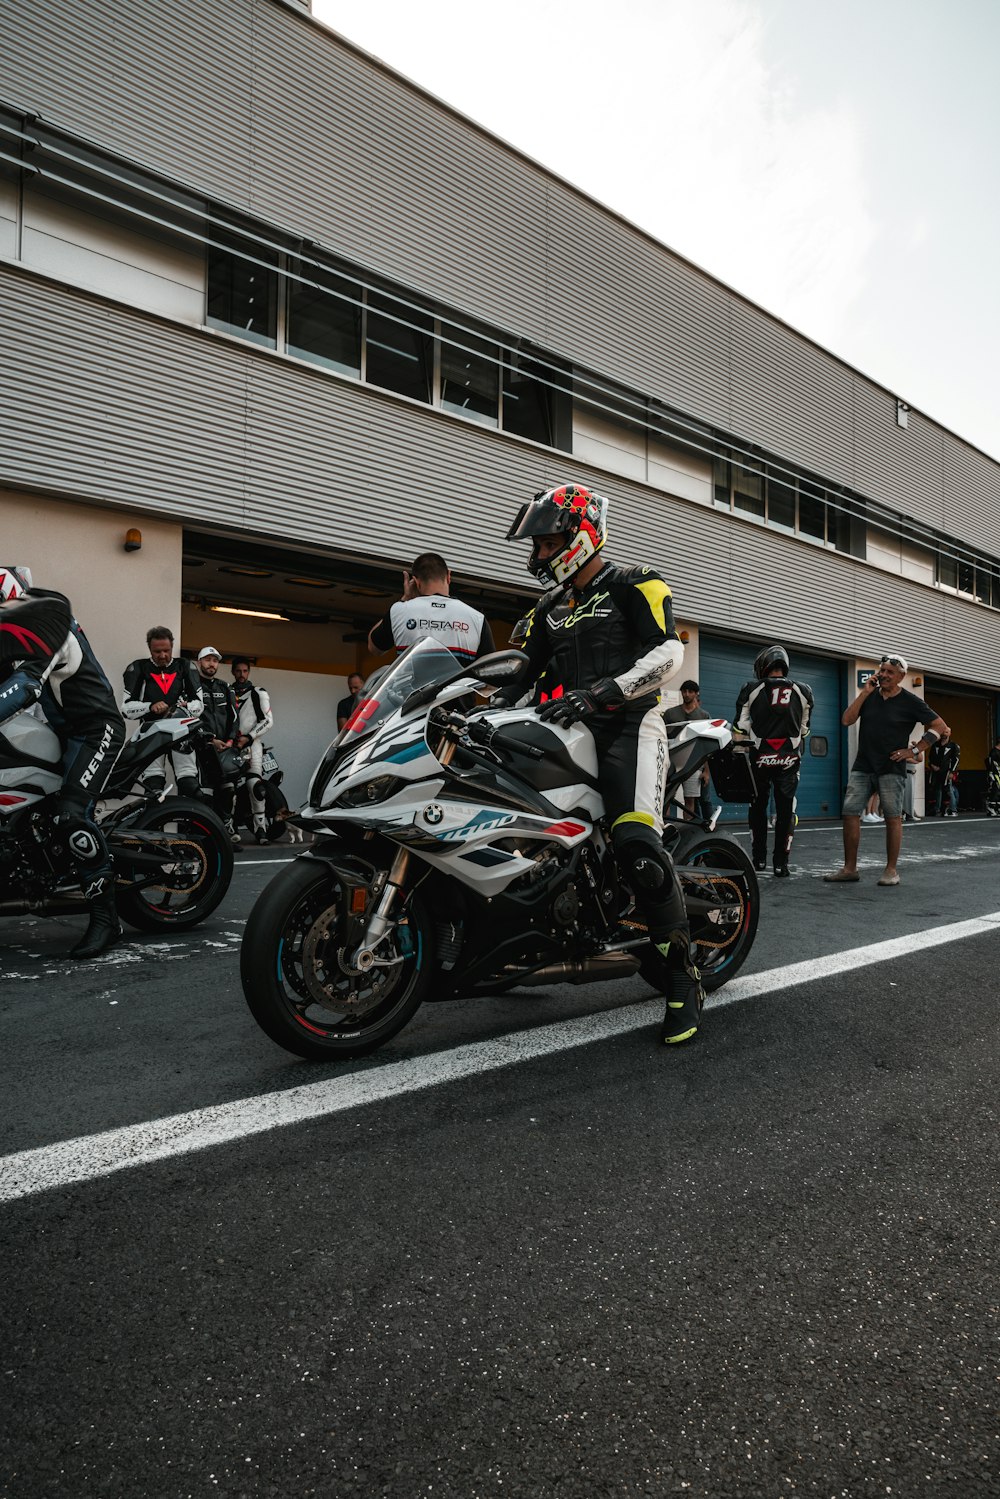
[
  {"x": 49, "y": 661},
  {"x": 604, "y": 637}
]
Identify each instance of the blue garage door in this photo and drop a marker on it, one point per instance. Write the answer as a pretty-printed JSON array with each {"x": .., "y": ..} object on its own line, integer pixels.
[{"x": 726, "y": 664}]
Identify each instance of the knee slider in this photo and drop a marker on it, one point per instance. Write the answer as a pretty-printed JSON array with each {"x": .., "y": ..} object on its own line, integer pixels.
[
  {"x": 640, "y": 856},
  {"x": 83, "y": 841}
]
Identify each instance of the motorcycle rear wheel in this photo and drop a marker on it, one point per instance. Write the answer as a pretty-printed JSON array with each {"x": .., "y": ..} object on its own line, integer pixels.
[
  {"x": 729, "y": 885},
  {"x": 296, "y": 983},
  {"x": 191, "y": 891}
]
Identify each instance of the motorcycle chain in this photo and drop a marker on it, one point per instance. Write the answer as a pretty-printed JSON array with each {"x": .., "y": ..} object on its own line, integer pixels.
[{"x": 714, "y": 880}]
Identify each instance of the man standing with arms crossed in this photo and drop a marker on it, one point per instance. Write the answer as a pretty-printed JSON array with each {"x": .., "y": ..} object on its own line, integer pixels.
[{"x": 885, "y": 714}]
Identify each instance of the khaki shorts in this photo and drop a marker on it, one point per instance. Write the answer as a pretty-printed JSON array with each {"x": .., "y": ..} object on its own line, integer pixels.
[{"x": 860, "y": 786}]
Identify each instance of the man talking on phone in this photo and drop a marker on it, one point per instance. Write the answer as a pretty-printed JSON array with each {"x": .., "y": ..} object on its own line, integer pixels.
[
  {"x": 427, "y": 611},
  {"x": 886, "y": 714}
]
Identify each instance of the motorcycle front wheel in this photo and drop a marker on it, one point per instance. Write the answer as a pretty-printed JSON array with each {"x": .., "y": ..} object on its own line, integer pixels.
[
  {"x": 298, "y": 983},
  {"x": 722, "y": 897},
  {"x": 193, "y": 874}
]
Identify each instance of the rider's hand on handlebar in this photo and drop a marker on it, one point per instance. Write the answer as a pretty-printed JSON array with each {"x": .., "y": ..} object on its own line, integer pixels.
[{"x": 581, "y": 702}]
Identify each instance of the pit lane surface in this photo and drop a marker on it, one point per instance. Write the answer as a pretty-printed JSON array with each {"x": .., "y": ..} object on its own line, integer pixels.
[{"x": 763, "y": 1264}]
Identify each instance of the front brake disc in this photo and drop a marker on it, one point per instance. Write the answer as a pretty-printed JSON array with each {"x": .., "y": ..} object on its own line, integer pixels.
[{"x": 329, "y": 978}]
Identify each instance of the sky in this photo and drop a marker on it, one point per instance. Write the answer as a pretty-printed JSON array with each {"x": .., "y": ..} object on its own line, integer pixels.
[{"x": 836, "y": 164}]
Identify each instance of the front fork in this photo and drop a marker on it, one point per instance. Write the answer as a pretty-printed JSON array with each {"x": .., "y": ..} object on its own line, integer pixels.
[{"x": 380, "y": 922}]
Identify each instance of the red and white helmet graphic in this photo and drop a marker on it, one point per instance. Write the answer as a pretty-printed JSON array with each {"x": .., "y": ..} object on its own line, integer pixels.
[
  {"x": 14, "y": 582},
  {"x": 578, "y": 513}
]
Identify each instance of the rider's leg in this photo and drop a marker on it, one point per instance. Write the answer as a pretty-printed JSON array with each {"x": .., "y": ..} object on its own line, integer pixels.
[
  {"x": 632, "y": 756},
  {"x": 154, "y": 777},
  {"x": 87, "y": 765},
  {"x": 186, "y": 772},
  {"x": 255, "y": 787},
  {"x": 757, "y": 818},
  {"x": 786, "y": 783}
]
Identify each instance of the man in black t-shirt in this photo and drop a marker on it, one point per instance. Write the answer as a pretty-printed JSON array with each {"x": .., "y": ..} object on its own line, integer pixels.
[{"x": 886, "y": 715}]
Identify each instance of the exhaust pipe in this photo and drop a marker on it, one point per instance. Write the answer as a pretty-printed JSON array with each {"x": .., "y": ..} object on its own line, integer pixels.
[
  {"x": 608, "y": 965},
  {"x": 66, "y": 905}
]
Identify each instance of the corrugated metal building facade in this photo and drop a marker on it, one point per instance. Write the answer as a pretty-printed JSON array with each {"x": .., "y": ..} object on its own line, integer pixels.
[{"x": 253, "y": 110}]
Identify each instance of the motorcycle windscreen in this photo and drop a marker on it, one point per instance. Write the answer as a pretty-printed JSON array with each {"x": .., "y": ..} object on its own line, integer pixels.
[{"x": 426, "y": 664}]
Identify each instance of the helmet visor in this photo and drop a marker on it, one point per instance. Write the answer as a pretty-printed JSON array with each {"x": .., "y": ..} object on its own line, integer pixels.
[{"x": 543, "y": 518}]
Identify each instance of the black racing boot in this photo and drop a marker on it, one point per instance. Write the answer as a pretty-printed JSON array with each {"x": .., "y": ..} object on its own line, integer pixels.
[
  {"x": 683, "y": 991},
  {"x": 685, "y": 997},
  {"x": 104, "y": 928},
  {"x": 782, "y": 872},
  {"x": 759, "y": 860}
]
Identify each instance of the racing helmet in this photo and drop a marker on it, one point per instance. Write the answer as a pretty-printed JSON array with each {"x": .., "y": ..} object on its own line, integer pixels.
[
  {"x": 14, "y": 582},
  {"x": 768, "y": 658},
  {"x": 579, "y": 514}
]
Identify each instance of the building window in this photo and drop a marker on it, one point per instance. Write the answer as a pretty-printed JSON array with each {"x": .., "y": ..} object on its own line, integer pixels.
[
  {"x": 781, "y": 505},
  {"x": 470, "y": 377},
  {"x": 242, "y": 288},
  {"x": 748, "y": 493},
  {"x": 399, "y": 348},
  {"x": 721, "y": 483},
  {"x": 324, "y": 320},
  {"x": 812, "y": 513},
  {"x": 528, "y": 400}
]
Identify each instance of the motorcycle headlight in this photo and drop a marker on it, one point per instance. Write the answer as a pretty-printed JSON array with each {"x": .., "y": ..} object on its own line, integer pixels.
[{"x": 377, "y": 790}]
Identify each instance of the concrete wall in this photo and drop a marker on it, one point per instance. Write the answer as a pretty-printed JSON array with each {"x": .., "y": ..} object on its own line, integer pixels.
[{"x": 78, "y": 550}]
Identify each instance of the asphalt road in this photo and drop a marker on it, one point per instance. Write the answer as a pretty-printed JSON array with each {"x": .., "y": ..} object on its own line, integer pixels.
[{"x": 763, "y": 1264}]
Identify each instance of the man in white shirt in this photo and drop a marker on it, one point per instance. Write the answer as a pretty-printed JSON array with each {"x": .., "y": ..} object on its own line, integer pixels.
[{"x": 427, "y": 611}]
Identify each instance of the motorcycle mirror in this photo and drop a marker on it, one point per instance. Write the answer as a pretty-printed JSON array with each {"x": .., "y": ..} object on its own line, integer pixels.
[{"x": 501, "y": 666}]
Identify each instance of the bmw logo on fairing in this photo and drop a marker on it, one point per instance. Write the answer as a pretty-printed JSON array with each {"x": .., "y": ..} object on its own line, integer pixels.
[
  {"x": 433, "y": 814},
  {"x": 411, "y": 624}
]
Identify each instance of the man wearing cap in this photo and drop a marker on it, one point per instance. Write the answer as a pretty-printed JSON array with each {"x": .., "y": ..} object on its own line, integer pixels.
[
  {"x": 886, "y": 714},
  {"x": 220, "y": 720}
]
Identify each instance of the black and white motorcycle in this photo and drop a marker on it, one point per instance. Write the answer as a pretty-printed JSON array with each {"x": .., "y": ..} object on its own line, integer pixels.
[
  {"x": 172, "y": 856},
  {"x": 462, "y": 853}
]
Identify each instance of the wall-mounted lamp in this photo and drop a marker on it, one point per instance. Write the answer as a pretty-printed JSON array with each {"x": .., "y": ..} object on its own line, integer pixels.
[
  {"x": 133, "y": 540},
  {"x": 684, "y": 636}
]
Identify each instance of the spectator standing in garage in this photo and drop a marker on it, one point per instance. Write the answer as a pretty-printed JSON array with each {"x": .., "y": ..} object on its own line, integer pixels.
[
  {"x": 346, "y": 706},
  {"x": 253, "y": 707},
  {"x": 428, "y": 611},
  {"x": 219, "y": 719},
  {"x": 162, "y": 685},
  {"x": 688, "y": 709}
]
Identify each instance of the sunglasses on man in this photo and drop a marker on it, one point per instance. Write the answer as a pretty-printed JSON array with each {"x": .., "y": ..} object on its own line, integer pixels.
[{"x": 893, "y": 661}]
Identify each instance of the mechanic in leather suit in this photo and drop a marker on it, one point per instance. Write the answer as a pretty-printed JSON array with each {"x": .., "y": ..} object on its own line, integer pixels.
[
  {"x": 604, "y": 638},
  {"x": 49, "y": 661}
]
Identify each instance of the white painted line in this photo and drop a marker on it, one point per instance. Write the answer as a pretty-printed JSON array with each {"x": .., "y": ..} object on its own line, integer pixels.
[
  {"x": 92, "y": 1156},
  {"x": 245, "y": 863}
]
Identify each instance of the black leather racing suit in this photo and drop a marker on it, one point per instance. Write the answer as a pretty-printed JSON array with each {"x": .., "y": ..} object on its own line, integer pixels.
[
  {"x": 775, "y": 714},
  {"x": 219, "y": 719},
  {"x": 49, "y": 661},
  {"x": 179, "y": 686},
  {"x": 620, "y": 626}
]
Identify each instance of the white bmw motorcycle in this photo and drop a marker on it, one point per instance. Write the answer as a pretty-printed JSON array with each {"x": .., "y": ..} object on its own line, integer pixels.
[{"x": 464, "y": 853}]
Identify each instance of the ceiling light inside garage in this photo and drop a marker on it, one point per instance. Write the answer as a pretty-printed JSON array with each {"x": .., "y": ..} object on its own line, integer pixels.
[{"x": 250, "y": 613}]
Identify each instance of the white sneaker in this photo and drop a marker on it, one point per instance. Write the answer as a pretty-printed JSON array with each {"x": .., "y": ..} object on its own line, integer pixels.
[{"x": 871, "y": 817}]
